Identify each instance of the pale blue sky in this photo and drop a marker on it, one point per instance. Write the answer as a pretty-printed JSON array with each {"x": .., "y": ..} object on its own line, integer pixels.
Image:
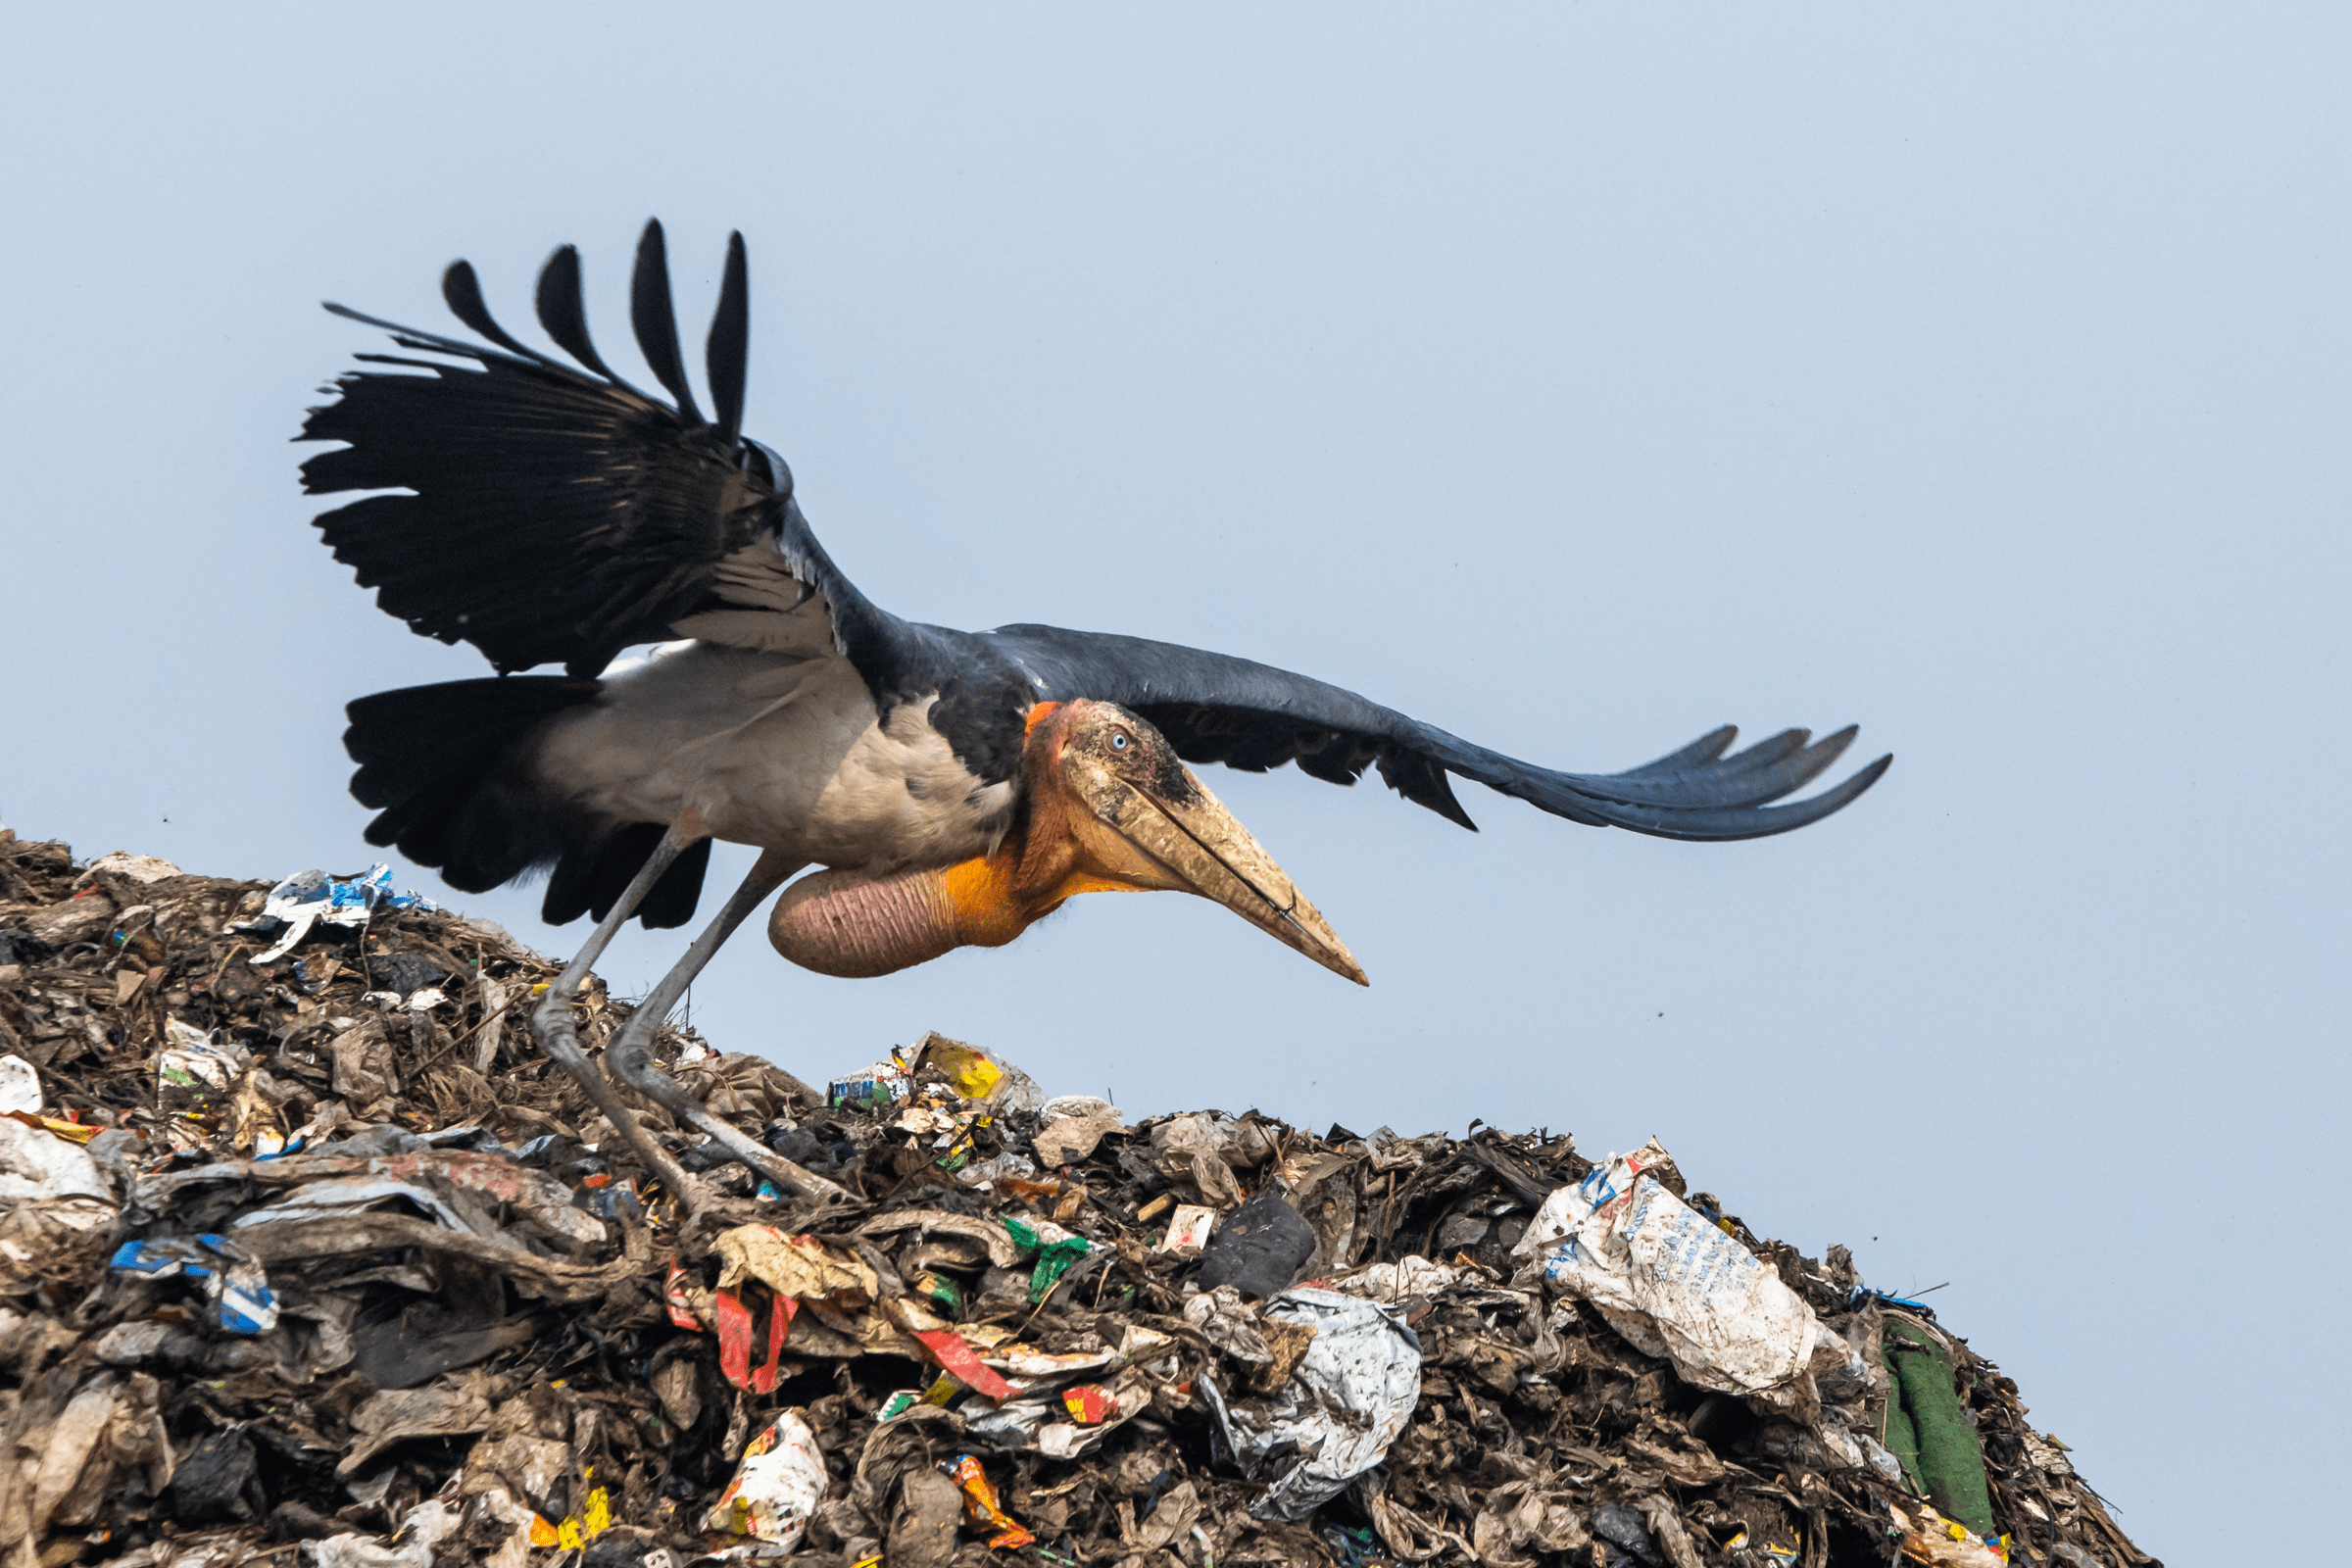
[{"x": 1574, "y": 379}]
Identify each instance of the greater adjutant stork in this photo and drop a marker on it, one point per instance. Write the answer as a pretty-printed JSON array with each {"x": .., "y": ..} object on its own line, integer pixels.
[{"x": 954, "y": 787}]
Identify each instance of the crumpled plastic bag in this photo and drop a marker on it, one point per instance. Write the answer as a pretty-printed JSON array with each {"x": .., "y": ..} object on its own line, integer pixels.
[
  {"x": 777, "y": 1486},
  {"x": 978, "y": 1076},
  {"x": 1346, "y": 1400},
  {"x": 421, "y": 1532},
  {"x": 1671, "y": 1282},
  {"x": 38, "y": 1166},
  {"x": 20, "y": 1085},
  {"x": 313, "y": 898},
  {"x": 1073, "y": 1124},
  {"x": 1206, "y": 1149}
]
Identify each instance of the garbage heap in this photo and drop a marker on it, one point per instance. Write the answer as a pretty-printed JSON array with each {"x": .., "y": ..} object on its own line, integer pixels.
[{"x": 307, "y": 1253}]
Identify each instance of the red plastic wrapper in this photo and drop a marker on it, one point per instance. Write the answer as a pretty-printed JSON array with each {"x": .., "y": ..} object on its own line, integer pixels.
[
  {"x": 1090, "y": 1403},
  {"x": 735, "y": 1339},
  {"x": 954, "y": 1353}
]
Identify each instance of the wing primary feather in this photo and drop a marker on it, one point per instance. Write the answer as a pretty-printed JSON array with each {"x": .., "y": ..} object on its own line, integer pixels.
[
  {"x": 728, "y": 350},
  {"x": 1706, "y": 748},
  {"x": 656, "y": 321},
  {"x": 463, "y": 292},
  {"x": 1423, "y": 781},
  {"x": 562, "y": 312},
  {"x": 1747, "y": 823}
]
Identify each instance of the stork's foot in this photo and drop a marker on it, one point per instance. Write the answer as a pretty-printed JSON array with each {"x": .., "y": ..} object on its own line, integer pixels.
[{"x": 632, "y": 1063}]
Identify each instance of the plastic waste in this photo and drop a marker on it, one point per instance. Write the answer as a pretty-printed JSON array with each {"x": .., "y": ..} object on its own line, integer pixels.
[
  {"x": 1072, "y": 1127},
  {"x": 309, "y": 899},
  {"x": 37, "y": 1165},
  {"x": 869, "y": 1088},
  {"x": 777, "y": 1487},
  {"x": 1928, "y": 1427},
  {"x": 978, "y": 1077},
  {"x": 1259, "y": 1249},
  {"x": 1054, "y": 1248},
  {"x": 420, "y": 1533},
  {"x": 1675, "y": 1285},
  {"x": 981, "y": 1506},
  {"x": 1189, "y": 1228},
  {"x": 192, "y": 1059},
  {"x": 20, "y": 1085},
  {"x": 1346, "y": 1400},
  {"x": 234, "y": 1281}
]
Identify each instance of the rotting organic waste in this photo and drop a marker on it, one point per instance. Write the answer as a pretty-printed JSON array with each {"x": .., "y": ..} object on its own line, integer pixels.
[{"x": 304, "y": 1248}]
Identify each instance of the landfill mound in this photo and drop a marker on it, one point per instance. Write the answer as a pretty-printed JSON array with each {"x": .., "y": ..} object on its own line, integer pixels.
[{"x": 308, "y": 1255}]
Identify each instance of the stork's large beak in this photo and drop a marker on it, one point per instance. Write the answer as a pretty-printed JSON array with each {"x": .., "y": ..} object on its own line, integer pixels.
[{"x": 1204, "y": 849}]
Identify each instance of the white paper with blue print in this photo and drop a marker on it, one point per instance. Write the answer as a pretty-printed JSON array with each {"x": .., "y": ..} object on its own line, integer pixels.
[
  {"x": 313, "y": 898},
  {"x": 1670, "y": 1280}
]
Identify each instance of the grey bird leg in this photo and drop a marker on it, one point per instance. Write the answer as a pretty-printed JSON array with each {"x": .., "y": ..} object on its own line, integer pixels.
[
  {"x": 627, "y": 1056},
  {"x": 557, "y": 1032}
]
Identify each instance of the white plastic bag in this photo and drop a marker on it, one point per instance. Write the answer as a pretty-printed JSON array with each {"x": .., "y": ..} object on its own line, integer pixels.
[
  {"x": 1670, "y": 1282},
  {"x": 779, "y": 1484}
]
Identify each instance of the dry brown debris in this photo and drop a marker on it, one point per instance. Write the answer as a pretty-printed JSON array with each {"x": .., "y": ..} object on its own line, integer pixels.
[{"x": 494, "y": 1348}]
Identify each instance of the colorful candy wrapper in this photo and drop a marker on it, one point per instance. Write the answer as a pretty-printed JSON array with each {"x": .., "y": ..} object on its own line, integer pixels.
[
  {"x": 781, "y": 1480},
  {"x": 1090, "y": 1403},
  {"x": 980, "y": 1506}
]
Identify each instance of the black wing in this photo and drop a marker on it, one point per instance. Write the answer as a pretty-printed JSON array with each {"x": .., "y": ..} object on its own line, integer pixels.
[
  {"x": 1216, "y": 709},
  {"x": 558, "y": 516}
]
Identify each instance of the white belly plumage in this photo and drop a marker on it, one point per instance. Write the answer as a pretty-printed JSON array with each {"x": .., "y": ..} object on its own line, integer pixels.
[{"x": 783, "y": 752}]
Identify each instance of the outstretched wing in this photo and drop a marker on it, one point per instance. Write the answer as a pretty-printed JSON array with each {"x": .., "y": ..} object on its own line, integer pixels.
[
  {"x": 555, "y": 514},
  {"x": 1216, "y": 708}
]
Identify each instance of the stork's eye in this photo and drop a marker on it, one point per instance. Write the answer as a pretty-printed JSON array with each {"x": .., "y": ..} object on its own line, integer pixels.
[{"x": 1118, "y": 740}]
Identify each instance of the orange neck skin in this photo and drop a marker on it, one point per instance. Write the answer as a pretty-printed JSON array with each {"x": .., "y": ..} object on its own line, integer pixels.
[{"x": 999, "y": 895}]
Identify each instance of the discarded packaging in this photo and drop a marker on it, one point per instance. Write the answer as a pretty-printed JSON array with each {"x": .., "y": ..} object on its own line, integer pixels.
[
  {"x": 1674, "y": 1283},
  {"x": 1189, "y": 1228},
  {"x": 780, "y": 1482},
  {"x": 1346, "y": 1398},
  {"x": 980, "y": 1504},
  {"x": 313, "y": 898}
]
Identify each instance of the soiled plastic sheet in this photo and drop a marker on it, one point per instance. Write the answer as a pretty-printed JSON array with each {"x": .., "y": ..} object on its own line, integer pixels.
[
  {"x": 1674, "y": 1283},
  {"x": 20, "y": 1085},
  {"x": 36, "y": 1166},
  {"x": 1072, "y": 1127},
  {"x": 1348, "y": 1399},
  {"x": 235, "y": 1283},
  {"x": 420, "y": 1533}
]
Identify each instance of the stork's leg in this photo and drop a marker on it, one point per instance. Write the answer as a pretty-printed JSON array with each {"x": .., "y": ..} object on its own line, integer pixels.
[
  {"x": 627, "y": 1056},
  {"x": 558, "y": 1033}
]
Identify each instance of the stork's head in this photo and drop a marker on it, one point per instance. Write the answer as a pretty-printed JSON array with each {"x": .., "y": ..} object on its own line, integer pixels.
[{"x": 1107, "y": 807}]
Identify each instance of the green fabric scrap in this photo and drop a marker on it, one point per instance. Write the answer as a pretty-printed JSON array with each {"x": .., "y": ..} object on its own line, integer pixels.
[
  {"x": 1053, "y": 1258},
  {"x": 1951, "y": 1460}
]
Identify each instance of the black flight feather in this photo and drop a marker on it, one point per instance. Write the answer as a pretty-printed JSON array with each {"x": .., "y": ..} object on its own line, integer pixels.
[
  {"x": 727, "y": 352},
  {"x": 656, "y": 321},
  {"x": 463, "y": 292},
  {"x": 554, "y": 517},
  {"x": 562, "y": 312}
]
